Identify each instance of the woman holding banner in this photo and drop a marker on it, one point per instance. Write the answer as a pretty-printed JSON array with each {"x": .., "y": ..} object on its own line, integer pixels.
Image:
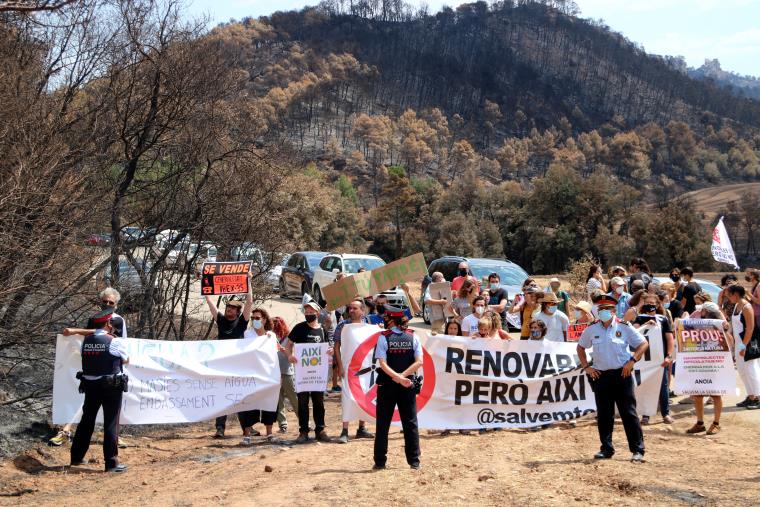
[
  {"x": 709, "y": 311},
  {"x": 743, "y": 326}
]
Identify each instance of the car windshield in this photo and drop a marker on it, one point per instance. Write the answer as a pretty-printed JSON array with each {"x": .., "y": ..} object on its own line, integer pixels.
[
  {"x": 509, "y": 274},
  {"x": 313, "y": 259},
  {"x": 353, "y": 265}
]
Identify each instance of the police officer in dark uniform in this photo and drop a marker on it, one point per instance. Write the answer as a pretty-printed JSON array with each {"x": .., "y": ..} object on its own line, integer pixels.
[
  {"x": 102, "y": 383},
  {"x": 400, "y": 355},
  {"x": 617, "y": 348}
]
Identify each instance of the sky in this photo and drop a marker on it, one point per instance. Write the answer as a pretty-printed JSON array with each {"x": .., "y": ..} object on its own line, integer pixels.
[{"x": 728, "y": 30}]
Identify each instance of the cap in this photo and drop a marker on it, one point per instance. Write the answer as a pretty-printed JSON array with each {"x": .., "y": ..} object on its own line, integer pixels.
[
  {"x": 711, "y": 307},
  {"x": 617, "y": 281},
  {"x": 549, "y": 297},
  {"x": 235, "y": 303},
  {"x": 606, "y": 301},
  {"x": 531, "y": 290},
  {"x": 584, "y": 305},
  {"x": 394, "y": 311},
  {"x": 313, "y": 304},
  {"x": 554, "y": 280},
  {"x": 102, "y": 316}
]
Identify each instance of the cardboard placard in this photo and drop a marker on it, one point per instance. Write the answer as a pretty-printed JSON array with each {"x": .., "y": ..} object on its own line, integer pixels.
[
  {"x": 223, "y": 278},
  {"x": 440, "y": 290},
  {"x": 312, "y": 367},
  {"x": 369, "y": 283}
]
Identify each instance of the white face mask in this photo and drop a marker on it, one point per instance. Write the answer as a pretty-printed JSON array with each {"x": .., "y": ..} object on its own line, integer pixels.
[
  {"x": 480, "y": 310},
  {"x": 619, "y": 290},
  {"x": 257, "y": 324},
  {"x": 577, "y": 314}
]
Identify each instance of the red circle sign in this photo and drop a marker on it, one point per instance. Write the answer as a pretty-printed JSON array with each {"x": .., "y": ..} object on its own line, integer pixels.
[{"x": 366, "y": 399}]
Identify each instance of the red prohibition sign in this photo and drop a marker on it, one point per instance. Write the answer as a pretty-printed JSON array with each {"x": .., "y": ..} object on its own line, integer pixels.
[{"x": 366, "y": 399}]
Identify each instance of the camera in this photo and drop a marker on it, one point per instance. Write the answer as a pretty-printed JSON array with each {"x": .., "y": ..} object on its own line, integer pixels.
[{"x": 417, "y": 383}]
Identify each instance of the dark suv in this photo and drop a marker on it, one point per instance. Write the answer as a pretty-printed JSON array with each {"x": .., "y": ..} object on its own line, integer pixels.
[{"x": 512, "y": 275}]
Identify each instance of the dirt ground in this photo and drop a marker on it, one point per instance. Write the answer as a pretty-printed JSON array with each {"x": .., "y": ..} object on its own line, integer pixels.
[{"x": 184, "y": 466}]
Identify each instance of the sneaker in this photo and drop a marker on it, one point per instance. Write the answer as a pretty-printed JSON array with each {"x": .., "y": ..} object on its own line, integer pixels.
[
  {"x": 753, "y": 405},
  {"x": 322, "y": 437},
  {"x": 117, "y": 469},
  {"x": 714, "y": 429},
  {"x": 362, "y": 432},
  {"x": 637, "y": 457},
  {"x": 378, "y": 467},
  {"x": 245, "y": 441},
  {"x": 465, "y": 432},
  {"x": 671, "y": 394},
  {"x": 744, "y": 402},
  {"x": 602, "y": 455},
  {"x": 219, "y": 433},
  {"x": 667, "y": 419},
  {"x": 415, "y": 466},
  {"x": 273, "y": 439},
  {"x": 482, "y": 431},
  {"x": 697, "y": 428},
  {"x": 343, "y": 438},
  {"x": 122, "y": 443},
  {"x": 645, "y": 420},
  {"x": 61, "y": 438},
  {"x": 283, "y": 429},
  {"x": 302, "y": 438},
  {"x": 445, "y": 433},
  {"x": 336, "y": 389}
]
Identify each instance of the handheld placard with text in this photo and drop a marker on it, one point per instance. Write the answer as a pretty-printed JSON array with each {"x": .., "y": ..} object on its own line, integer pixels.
[{"x": 223, "y": 278}]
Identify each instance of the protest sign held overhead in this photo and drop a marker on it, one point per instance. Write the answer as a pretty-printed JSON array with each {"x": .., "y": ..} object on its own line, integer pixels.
[
  {"x": 372, "y": 282},
  {"x": 178, "y": 381},
  {"x": 704, "y": 365},
  {"x": 223, "y": 278}
]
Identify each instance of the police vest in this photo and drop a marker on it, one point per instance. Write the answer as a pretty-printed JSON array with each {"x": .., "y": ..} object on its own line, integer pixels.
[
  {"x": 96, "y": 358},
  {"x": 400, "y": 355}
]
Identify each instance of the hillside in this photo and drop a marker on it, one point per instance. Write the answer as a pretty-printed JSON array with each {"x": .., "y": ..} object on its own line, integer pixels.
[{"x": 747, "y": 86}]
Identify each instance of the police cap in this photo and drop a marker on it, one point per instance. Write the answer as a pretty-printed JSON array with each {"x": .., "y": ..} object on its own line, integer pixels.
[{"x": 102, "y": 316}]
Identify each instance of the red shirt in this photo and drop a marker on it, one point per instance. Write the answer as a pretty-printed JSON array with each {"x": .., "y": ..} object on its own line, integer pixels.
[{"x": 456, "y": 284}]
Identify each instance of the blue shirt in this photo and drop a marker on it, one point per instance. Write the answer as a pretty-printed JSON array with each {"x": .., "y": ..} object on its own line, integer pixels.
[
  {"x": 611, "y": 345},
  {"x": 381, "y": 349},
  {"x": 622, "y": 303}
]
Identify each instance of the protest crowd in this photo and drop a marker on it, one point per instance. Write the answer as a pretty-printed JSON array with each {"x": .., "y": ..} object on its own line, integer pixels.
[{"x": 613, "y": 315}]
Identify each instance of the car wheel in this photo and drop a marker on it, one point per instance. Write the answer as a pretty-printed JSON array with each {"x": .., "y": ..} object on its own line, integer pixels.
[
  {"x": 281, "y": 288},
  {"x": 425, "y": 313},
  {"x": 318, "y": 296},
  {"x": 304, "y": 289}
]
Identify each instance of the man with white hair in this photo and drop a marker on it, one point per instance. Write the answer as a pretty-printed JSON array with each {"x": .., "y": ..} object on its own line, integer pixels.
[
  {"x": 618, "y": 293},
  {"x": 109, "y": 299}
]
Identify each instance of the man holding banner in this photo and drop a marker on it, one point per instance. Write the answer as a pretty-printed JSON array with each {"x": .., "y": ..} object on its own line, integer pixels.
[{"x": 611, "y": 377}]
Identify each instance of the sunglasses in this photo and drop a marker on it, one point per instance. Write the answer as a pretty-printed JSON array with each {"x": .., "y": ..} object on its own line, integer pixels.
[{"x": 109, "y": 303}]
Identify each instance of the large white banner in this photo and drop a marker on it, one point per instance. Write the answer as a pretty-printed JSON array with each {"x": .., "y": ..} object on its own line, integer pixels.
[
  {"x": 178, "y": 381},
  {"x": 648, "y": 386},
  {"x": 311, "y": 368},
  {"x": 483, "y": 383},
  {"x": 705, "y": 365}
]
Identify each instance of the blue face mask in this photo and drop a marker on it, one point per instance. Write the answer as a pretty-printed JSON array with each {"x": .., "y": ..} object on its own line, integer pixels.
[
  {"x": 535, "y": 334},
  {"x": 667, "y": 305},
  {"x": 396, "y": 330},
  {"x": 495, "y": 286},
  {"x": 551, "y": 309},
  {"x": 605, "y": 315}
]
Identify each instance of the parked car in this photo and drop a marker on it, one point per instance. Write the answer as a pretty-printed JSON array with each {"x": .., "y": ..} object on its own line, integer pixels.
[
  {"x": 273, "y": 277},
  {"x": 350, "y": 264},
  {"x": 297, "y": 274},
  {"x": 247, "y": 252},
  {"x": 185, "y": 252},
  {"x": 707, "y": 286},
  {"x": 138, "y": 234},
  {"x": 129, "y": 284},
  {"x": 511, "y": 275},
  {"x": 98, "y": 240}
]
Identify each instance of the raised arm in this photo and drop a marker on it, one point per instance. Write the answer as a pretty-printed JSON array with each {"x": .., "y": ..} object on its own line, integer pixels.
[{"x": 248, "y": 308}]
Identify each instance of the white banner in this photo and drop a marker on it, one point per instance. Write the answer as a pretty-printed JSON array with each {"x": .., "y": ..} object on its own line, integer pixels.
[
  {"x": 704, "y": 366},
  {"x": 722, "y": 251},
  {"x": 648, "y": 386},
  {"x": 311, "y": 366},
  {"x": 177, "y": 381},
  {"x": 482, "y": 383}
]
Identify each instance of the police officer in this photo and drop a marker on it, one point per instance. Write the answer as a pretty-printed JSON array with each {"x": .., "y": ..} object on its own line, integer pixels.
[
  {"x": 102, "y": 384},
  {"x": 400, "y": 355},
  {"x": 617, "y": 347}
]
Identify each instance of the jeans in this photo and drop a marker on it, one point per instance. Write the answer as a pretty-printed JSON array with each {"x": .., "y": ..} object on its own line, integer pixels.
[
  {"x": 664, "y": 393},
  {"x": 287, "y": 390}
]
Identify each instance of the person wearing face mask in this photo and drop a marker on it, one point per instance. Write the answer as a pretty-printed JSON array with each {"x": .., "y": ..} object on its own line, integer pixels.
[
  {"x": 689, "y": 290},
  {"x": 652, "y": 315},
  {"x": 537, "y": 329},
  {"x": 309, "y": 331},
  {"x": 617, "y": 348},
  {"x": 498, "y": 299},
  {"x": 109, "y": 300},
  {"x": 563, "y": 297},
  {"x": 582, "y": 313},
  {"x": 400, "y": 355},
  {"x": 618, "y": 293},
  {"x": 527, "y": 308},
  {"x": 463, "y": 273},
  {"x": 470, "y": 323},
  {"x": 556, "y": 321},
  {"x": 377, "y": 317},
  {"x": 262, "y": 326}
]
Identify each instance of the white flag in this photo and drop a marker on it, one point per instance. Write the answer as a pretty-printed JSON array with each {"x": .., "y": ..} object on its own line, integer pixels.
[{"x": 721, "y": 245}]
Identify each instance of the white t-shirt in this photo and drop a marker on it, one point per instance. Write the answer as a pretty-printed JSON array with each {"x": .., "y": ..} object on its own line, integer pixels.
[
  {"x": 592, "y": 285},
  {"x": 470, "y": 324},
  {"x": 555, "y": 325}
]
